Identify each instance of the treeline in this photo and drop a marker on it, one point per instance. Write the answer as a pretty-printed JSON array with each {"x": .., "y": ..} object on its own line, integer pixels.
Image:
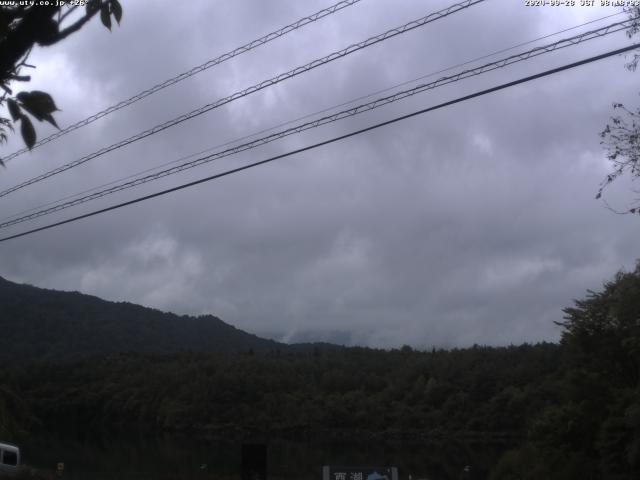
[
  {"x": 568, "y": 411},
  {"x": 590, "y": 428},
  {"x": 354, "y": 391}
]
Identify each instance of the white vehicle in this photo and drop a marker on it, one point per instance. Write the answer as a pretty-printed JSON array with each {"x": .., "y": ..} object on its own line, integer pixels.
[{"x": 9, "y": 459}]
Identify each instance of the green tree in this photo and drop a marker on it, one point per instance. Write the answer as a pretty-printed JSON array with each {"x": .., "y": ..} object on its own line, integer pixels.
[
  {"x": 22, "y": 27},
  {"x": 602, "y": 335},
  {"x": 603, "y": 330},
  {"x": 621, "y": 136},
  {"x": 14, "y": 415}
]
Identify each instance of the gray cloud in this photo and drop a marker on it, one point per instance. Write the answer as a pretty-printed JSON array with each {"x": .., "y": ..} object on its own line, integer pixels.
[{"x": 472, "y": 224}]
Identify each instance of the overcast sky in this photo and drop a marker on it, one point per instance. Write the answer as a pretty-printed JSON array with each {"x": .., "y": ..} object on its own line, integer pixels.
[{"x": 472, "y": 224}]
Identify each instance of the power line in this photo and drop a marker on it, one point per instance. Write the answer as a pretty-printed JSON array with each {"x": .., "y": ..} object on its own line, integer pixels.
[
  {"x": 332, "y": 140},
  {"x": 318, "y": 112},
  {"x": 189, "y": 73},
  {"x": 567, "y": 42},
  {"x": 255, "y": 88},
  {"x": 331, "y": 118}
]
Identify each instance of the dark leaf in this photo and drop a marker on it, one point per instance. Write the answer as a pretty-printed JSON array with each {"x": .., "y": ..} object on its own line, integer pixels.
[
  {"x": 14, "y": 109},
  {"x": 6, "y": 89},
  {"x": 37, "y": 103},
  {"x": 2, "y": 163},
  {"x": 28, "y": 132},
  {"x": 47, "y": 32},
  {"x": 33, "y": 112},
  {"x": 116, "y": 9},
  {"x": 44, "y": 101},
  {"x": 92, "y": 6},
  {"x": 4, "y": 26},
  {"x": 598, "y": 195},
  {"x": 104, "y": 16},
  {"x": 49, "y": 118},
  {"x": 5, "y": 122}
]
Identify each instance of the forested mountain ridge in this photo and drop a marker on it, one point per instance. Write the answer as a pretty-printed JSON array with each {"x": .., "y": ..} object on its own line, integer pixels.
[
  {"x": 37, "y": 323},
  {"x": 560, "y": 411}
]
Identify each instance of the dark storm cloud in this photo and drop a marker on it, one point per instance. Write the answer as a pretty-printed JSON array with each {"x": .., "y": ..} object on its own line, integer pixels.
[{"x": 472, "y": 224}]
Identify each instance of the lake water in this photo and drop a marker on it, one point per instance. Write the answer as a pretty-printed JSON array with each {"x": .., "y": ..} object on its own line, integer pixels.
[{"x": 182, "y": 458}]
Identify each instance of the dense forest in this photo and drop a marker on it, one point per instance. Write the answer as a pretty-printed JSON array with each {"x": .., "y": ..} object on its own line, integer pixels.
[{"x": 568, "y": 410}]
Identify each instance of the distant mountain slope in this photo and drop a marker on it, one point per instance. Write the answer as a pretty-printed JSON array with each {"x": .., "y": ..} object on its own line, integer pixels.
[{"x": 40, "y": 323}]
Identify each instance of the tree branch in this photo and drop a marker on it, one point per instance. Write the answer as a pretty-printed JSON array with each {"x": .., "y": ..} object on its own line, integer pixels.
[
  {"x": 70, "y": 29},
  {"x": 66, "y": 14},
  {"x": 74, "y": 27},
  {"x": 16, "y": 44}
]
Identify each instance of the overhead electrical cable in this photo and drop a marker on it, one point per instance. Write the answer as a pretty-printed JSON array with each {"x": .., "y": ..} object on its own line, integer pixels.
[
  {"x": 304, "y": 117},
  {"x": 190, "y": 73},
  {"x": 331, "y": 140},
  {"x": 253, "y": 89},
  {"x": 350, "y": 112}
]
